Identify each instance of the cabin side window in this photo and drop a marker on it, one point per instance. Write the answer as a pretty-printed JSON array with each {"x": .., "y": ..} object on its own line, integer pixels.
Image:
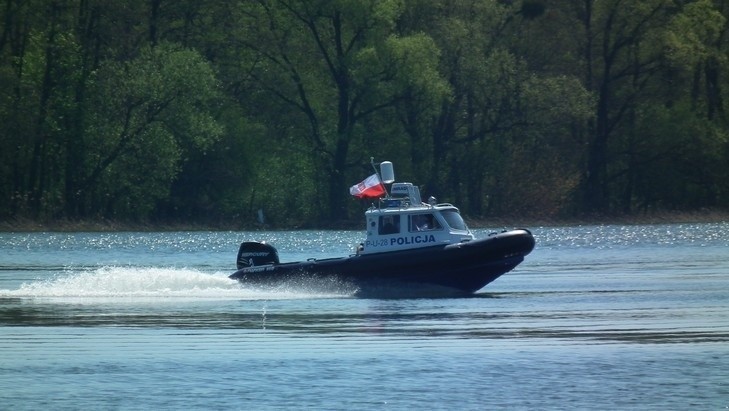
[
  {"x": 389, "y": 224},
  {"x": 423, "y": 222}
]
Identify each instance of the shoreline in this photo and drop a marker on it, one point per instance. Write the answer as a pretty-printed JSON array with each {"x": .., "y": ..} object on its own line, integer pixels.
[
  {"x": 692, "y": 217},
  {"x": 31, "y": 226}
]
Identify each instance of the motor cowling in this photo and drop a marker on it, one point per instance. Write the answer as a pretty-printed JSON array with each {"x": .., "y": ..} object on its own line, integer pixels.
[{"x": 253, "y": 253}]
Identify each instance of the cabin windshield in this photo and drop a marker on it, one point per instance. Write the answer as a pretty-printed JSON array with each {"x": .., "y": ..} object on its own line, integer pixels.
[{"x": 454, "y": 220}]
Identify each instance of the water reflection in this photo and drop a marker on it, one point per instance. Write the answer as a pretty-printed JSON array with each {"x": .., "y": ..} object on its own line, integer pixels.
[{"x": 413, "y": 319}]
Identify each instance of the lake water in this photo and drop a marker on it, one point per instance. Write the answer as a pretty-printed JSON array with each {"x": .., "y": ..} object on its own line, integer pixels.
[{"x": 597, "y": 317}]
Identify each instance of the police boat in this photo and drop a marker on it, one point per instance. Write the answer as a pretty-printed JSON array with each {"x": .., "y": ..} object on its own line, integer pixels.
[{"x": 411, "y": 248}]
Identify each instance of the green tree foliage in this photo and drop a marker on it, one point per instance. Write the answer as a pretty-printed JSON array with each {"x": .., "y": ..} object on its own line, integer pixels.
[
  {"x": 85, "y": 137},
  {"x": 149, "y": 113},
  {"x": 505, "y": 127},
  {"x": 330, "y": 66},
  {"x": 206, "y": 111}
]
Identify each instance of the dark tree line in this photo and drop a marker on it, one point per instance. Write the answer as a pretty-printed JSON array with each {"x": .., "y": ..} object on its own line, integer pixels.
[{"x": 206, "y": 111}]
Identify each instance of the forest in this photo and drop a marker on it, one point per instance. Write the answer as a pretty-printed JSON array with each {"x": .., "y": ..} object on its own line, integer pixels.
[{"x": 218, "y": 112}]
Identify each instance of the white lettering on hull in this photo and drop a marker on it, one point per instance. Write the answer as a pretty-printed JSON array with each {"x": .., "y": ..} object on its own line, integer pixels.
[
  {"x": 257, "y": 269},
  {"x": 413, "y": 239},
  {"x": 399, "y": 241}
]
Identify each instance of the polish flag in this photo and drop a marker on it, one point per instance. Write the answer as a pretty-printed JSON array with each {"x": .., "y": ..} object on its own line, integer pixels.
[{"x": 371, "y": 187}]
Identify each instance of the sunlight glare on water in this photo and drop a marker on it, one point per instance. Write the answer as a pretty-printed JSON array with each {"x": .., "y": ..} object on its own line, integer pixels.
[{"x": 597, "y": 317}]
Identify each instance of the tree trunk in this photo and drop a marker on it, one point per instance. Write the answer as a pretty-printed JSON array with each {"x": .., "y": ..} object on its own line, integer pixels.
[{"x": 38, "y": 167}]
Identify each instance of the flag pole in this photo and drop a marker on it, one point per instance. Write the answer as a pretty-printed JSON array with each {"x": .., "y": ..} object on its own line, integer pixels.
[{"x": 377, "y": 172}]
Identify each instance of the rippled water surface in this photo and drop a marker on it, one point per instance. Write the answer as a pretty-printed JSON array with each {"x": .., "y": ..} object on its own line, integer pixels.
[{"x": 597, "y": 317}]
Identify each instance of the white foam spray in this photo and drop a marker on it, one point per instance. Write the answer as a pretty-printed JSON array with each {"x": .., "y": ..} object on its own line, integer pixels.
[{"x": 153, "y": 284}]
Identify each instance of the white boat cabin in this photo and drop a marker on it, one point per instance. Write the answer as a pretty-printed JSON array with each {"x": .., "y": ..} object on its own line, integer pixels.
[{"x": 402, "y": 221}]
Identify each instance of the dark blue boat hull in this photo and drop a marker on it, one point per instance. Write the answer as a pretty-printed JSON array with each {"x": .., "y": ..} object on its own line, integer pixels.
[{"x": 462, "y": 268}]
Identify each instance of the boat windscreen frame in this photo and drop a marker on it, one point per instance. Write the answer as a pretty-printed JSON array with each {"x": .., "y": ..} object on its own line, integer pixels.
[{"x": 453, "y": 219}]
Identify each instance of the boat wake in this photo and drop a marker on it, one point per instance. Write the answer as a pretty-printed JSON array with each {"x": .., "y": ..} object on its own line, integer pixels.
[{"x": 124, "y": 284}]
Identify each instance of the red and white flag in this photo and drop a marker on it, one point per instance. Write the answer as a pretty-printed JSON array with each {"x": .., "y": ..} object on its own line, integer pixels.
[{"x": 371, "y": 187}]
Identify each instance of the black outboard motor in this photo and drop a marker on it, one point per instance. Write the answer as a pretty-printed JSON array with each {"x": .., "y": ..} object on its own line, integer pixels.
[{"x": 254, "y": 253}]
